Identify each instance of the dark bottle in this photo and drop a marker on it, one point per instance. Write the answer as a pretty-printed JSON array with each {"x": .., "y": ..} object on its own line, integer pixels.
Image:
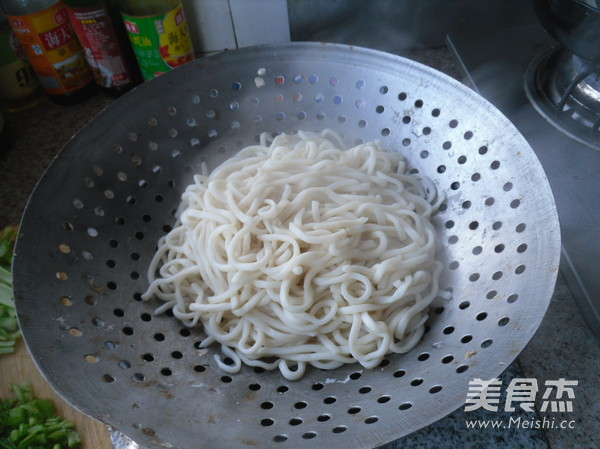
[
  {"x": 49, "y": 41},
  {"x": 102, "y": 35}
]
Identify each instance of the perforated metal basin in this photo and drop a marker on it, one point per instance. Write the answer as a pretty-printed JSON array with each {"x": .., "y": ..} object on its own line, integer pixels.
[{"x": 91, "y": 226}]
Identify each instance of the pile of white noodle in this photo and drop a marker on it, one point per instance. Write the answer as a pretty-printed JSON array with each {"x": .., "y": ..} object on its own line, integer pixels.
[{"x": 297, "y": 251}]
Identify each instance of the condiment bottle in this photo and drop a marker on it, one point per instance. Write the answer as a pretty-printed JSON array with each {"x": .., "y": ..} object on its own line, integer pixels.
[
  {"x": 101, "y": 33},
  {"x": 159, "y": 34},
  {"x": 48, "y": 39},
  {"x": 19, "y": 87}
]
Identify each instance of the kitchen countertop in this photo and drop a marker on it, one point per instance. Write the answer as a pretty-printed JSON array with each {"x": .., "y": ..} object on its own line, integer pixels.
[{"x": 562, "y": 348}]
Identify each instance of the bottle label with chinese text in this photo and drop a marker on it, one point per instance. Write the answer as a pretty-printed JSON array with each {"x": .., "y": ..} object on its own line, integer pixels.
[
  {"x": 53, "y": 50},
  {"x": 101, "y": 46},
  {"x": 160, "y": 42}
]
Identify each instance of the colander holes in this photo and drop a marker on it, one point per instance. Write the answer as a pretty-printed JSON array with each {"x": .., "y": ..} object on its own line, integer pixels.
[
  {"x": 364, "y": 390},
  {"x": 360, "y": 103},
  {"x": 119, "y": 313},
  {"x": 131, "y": 200},
  {"x": 453, "y": 123},
  {"x": 520, "y": 269},
  {"x": 406, "y": 119},
  {"x": 521, "y": 227},
  {"x": 402, "y": 96},
  {"x": 441, "y": 169},
  {"x": 453, "y": 239},
  {"x": 466, "y": 339},
  {"x": 110, "y": 345},
  {"x": 464, "y": 305},
  {"x": 267, "y": 405},
  {"x": 118, "y": 149},
  {"x": 448, "y": 330},
  {"x": 195, "y": 99},
  {"x": 512, "y": 298},
  {"x": 199, "y": 368},
  {"x": 468, "y": 135},
  {"x": 447, "y": 145},
  {"x": 172, "y": 110},
  {"x": 283, "y": 389},
  {"x": 495, "y": 165},
  {"x": 128, "y": 330},
  {"x": 380, "y": 109},
  {"x": 159, "y": 337},
  {"x": 234, "y": 105},
  {"x": 522, "y": 248},
  {"x": 383, "y": 90},
  {"x": 136, "y": 160},
  {"x": 166, "y": 371},
  {"x": 148, "y": 357},
  {"x": 139, "y": 377},
  {"x": 416, "y": 382},
  {"x": 489, "y": 201},
  {"x": 385, "y": 132},
  {"x": 462, "y": 160},
  {"x": 355, "y": 375},
  {"x": 213, "y": 93},
  {"x": 98, "y": 322},
  {"x": 77, "y": 203},
  {"x": 342, "y": 119},
  {"x": 295, "y": 422},
  {"x": 111, "y": 285},
  {"x": 499, "y": 248},
  {"x": 360, "y": 84},
  {"x": 124, "y": 364},
  {"x": 435, "y": 389},
  {"x": 406, "y": 142},
  {"x": 474, "y": 277},
  {"x": 309, "y": 435},
  {"x": 92, "y": 232},
  {"x": 497, "y": 275},
  {"x": 447, "y": 359},
  {"x": 320, "y": 115},
  {"x": 455, "y": 185},
  {"x": 371, "y": 420},
  {"x": 317, "y": 386},
  {"x": 405, "y": 406},
  {"x": 462, "y": 368},
  {"x": 90, "y": 300},
  {"x": 89, "y": 183},
  {"x": 482, "y": 150},
  {"x": 362, "y": 123},
  {"x": 481, "y": 316},
  {"x": 108, "y": 378},
  {"x": 399, "y": 373},
  {"x": 338, "y": 99},
  {"x": 436, "y": 112},
  {"x": 339, "y": 429},
  {"x": 475, "y": 177},
  {"x": 497, "y": 225},
  {"x": 422, "y": 357},
  {"x": 323, "y": 418},
  {"x": 473, "y": 225},
  {"x": 466, "y": 204},
  {"x": 424, "y": 154},
  {"x": 177, "y": 355},
  {"x": 487, "y": 343},
  {"x": 426, "y": 130},
  {"x": 226, "y": 379},
  {"x": 185, "y": 332},
  {"x": 491, "y": 294},
  {"x": 301, "y": 115},
  {"x": 330, "y": 400},
  {"x": 514, "y": 204},
  {"x": 300, "y": 405}
]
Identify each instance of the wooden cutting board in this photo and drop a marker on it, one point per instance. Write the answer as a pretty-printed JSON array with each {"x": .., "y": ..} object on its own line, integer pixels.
[{"x": 19, "y": 367}]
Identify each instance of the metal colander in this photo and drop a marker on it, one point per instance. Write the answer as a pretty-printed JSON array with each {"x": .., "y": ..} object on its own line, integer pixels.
[{"x": 91, "y": 226}]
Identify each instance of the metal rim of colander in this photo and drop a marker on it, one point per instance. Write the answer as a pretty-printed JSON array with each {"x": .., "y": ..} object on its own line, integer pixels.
[{"x": 90, "y": 228}]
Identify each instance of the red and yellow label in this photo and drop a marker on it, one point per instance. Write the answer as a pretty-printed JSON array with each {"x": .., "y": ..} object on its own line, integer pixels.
[{"x": 53, "y": 49}]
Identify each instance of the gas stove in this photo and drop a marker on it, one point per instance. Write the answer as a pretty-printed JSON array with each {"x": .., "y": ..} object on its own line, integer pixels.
[{"x": 552, "y": 95}]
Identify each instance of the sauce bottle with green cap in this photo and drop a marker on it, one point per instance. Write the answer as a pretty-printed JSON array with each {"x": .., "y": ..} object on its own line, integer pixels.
[{"x": 159, "y": 34}]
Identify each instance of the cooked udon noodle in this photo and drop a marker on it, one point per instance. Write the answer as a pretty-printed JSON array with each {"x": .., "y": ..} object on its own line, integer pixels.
[{"x": 300, "y": 252}]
